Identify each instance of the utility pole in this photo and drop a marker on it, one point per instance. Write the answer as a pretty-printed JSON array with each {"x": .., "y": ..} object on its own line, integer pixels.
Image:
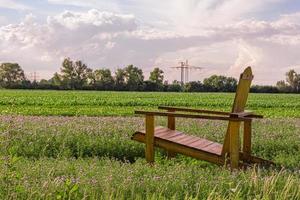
[
  {"x": 184, "y": 71},
  {"x": 33, "y": 76}
]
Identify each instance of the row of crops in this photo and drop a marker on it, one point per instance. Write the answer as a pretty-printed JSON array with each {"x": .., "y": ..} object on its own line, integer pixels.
[{"x": 123, "y": 103}]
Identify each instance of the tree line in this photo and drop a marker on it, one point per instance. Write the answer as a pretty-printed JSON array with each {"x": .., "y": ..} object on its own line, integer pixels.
[{"x": 75, "y": 75}]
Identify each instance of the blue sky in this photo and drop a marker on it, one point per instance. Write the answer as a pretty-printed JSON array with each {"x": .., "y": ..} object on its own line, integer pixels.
[{"x": 223, "y": 36}]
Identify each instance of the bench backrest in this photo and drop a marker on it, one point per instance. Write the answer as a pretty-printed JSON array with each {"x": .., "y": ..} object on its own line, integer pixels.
[{"x": 240, "y": 101}]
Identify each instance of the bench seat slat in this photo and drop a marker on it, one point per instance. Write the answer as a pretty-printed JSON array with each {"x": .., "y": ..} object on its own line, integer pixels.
[{"x": 186, "y": 140}]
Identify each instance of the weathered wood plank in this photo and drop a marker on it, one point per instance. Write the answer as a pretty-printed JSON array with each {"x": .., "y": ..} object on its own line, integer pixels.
[
  {"x": 239, "y": 103},
  {"x": 149, "y": 150},
  {"x": 248, "y": 114},
  {"x": 194, "y": 110},
  {"x": 188, "y": 151},
  {"x": 178, "y": 138},
  {"x": 214, "y": 148},
  {"x": 196, "y": 116},
  {"x": 234, "y": 144},
  {"x": 168, "y": 134},
  {"x": 171, "y": 120},
  {"x": 200, "y": 144},
  {"x": 247, "y": 140},
  {"x": 188, "y": 139}
]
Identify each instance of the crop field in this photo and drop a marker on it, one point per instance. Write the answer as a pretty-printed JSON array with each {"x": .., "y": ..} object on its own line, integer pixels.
[
  {"x": 76, "y": 145},
  {"x": 95, "y": 103}
]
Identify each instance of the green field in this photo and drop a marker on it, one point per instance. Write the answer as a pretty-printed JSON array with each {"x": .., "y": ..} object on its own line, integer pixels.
[
  {"x": 95, "y": 103},
  {"x": 88, "y": 154}
]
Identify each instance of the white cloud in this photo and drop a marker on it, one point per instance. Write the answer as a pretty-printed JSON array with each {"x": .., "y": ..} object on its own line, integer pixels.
[
  {"x": 103, "y": 5},
  {"x": 10, "y": 4},
  {"x": 109, "y": 39},
  {"x": 102, "y": 21},
  {"x": 2, "y": 20},
  {"x": 185, "y": 16}
]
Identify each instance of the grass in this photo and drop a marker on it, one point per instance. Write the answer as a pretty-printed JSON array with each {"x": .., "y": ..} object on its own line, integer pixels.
[
  {"x": 94, "y": 178},
  {"x": 95, "y": 103},
  {"x": 94, "y": 158},
  {"x": 76, "y": 145}
]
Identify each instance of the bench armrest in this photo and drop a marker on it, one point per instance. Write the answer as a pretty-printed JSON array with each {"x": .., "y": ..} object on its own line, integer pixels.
[
  {"x": 194, "y": 110},
  {"x": 184, "y": 115},
  {"x": 240, "y": 114},
  {"x": 246, "y": 114}
]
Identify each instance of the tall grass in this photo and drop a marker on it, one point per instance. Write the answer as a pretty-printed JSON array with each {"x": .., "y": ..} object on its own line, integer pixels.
[
  {"x": 94, "y": 158},
  {"x": 110, "y": 179}
]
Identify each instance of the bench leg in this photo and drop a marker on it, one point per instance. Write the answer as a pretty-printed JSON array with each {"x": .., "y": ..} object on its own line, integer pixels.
[
  {"x": 247, "y": 141},
  {"x": 149, "y": 152},
  {"x": 234, "y": 144},
  {"x": 171, "y": 125}
]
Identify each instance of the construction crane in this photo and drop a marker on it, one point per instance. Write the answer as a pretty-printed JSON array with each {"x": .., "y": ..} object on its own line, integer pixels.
[{"x": 184, "y": 71}]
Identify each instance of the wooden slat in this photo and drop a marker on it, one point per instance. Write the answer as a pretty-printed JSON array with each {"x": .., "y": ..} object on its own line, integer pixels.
[
  {"x": 193, "y": 152},
  {"x": 248, "y": 114},
  {"x": 178, "y": 138},
  {"x": 187, "y": 140},
  {"x": 189, "y": 151},
  {"x": 200, "y": 143},
  {"x": 171, "y": 125},
  {"x": 194, "y": 110},
  {"x": 247, "y": 140},
  {"x": 234, "y": 144},
  {"x": 149, "y": 150},
  {"x": 239, "y": 103},
  {"x": 184, "y": 115},
  {"x": 171, "y": 136},
  {"x": 171, "y": 120},
  {"x": 163, "y": 133},
  {"x": 217, "y": 150},
  {"x": 241, "y": 114},
  {"x": 213, "y": 148}
]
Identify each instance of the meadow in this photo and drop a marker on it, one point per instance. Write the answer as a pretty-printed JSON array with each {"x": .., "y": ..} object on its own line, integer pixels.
[{"x": 76, "y": 145}]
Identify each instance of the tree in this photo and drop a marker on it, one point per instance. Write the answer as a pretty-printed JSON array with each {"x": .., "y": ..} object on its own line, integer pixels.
[
  {"x": 74, "y": 75},
  {"x": 44, "y": 84},
  {"x": 120, "y": 79},
  {"x": 103, "y": 79},
  {"x": 157, "y": 76},
  {"x": 293, "y": 79},
  {"x": 264, "y": 89},
  {"x": 194, "y": 86},
  {"x": 56, "y": 81},
  {"x": 220, "y": 83},
  {"x": 134, "y": 78},
  {"x": 282, "y": 86},
  {"x": 175, "y": 86},
  {"x": 11, "y": 75}
]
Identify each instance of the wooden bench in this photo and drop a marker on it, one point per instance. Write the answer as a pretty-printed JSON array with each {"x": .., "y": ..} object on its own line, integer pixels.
[{"x": 174, "y": 141}]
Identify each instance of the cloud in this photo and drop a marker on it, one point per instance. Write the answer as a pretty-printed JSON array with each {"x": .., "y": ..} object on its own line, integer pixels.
[
  {"x": 2, "y": 20},
  {"x": 184, "y": 16},
  {"x": 10, "y": 4},
  {"x": 95, "y": 4},
  {"x": 102, "y": 21},
  {"x": 110, "y": 39},
  {"x": 103, "y": 39}
]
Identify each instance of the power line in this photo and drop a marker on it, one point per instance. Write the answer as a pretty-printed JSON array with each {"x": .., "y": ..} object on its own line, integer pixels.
[
  {"x": 185, "y": 68},
  {"x": 33, "y": 76}
]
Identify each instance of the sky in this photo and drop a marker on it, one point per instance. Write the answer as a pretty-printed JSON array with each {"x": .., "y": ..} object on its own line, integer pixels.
[{"x": 222, "y": 36}]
